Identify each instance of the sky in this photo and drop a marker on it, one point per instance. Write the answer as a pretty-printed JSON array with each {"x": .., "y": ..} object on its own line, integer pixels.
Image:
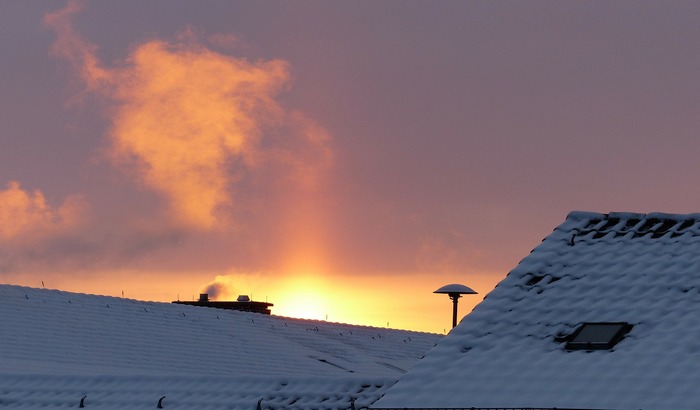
[{"x": 341, "y": 160}]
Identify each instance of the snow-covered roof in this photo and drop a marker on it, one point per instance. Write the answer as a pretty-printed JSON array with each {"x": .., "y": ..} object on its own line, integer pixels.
[
  {"x": 58, "y": 346},
  {"x": 510, "y": 351}
]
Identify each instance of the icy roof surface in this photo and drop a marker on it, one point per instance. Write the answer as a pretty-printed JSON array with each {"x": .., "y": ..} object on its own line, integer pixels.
[
  {"x": 642, "y": 269},
  {"x": 57, "y": 346}
]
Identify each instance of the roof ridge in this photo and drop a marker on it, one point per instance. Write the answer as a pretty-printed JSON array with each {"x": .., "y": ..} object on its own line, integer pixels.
[{"x": 577, "y": 215}]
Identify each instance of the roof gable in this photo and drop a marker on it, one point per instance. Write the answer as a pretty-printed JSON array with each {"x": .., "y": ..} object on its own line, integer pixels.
[{"x": 641, "y": 269}]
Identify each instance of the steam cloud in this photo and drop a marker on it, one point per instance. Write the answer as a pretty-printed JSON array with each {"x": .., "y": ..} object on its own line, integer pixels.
[
  {"x": 224, "y": 286},
  {"x": 220, "y": 288},
  {"x": 216, "y": 290},
  {"x": 186, "y": 116}
]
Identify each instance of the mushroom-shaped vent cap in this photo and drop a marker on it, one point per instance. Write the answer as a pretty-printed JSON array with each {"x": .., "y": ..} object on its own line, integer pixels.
[{"x": 456, "y": 288}]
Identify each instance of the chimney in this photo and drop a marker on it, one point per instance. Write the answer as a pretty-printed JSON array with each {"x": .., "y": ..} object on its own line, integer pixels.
[{"x": 204, "y": 297}]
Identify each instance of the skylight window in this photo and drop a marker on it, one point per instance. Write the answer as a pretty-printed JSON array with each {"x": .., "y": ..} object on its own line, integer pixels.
[{"x": 598, "y": 336}]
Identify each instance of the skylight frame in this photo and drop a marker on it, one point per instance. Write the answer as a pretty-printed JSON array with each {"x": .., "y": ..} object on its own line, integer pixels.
[{"x": 597, "y": 335}]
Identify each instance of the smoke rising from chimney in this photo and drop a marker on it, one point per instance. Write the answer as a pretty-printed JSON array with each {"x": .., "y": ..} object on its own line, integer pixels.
[
  {"x": 217, "y": 291},
  {"x": 225, "y": 286}
]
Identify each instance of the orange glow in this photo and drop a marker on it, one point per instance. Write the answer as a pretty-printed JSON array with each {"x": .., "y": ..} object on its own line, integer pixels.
[
  {"x": 185, "y": 114},
  {"x": 379, "y": 300},
  {"x": 188, "y": 123},
  {"x": 404, "y": 302},
  {"x": 304, "y": 297},
  {"x": 25, "y": 215},
  {"x": 69, "y": 45}
]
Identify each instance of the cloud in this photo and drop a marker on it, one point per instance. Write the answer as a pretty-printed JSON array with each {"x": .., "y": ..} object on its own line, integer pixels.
[
  {"x": 27, "y": 216},
  {"x": 70, "y": 45},
  {"x": 189, "y": 122},
  {"x": 184, "y": 114}
]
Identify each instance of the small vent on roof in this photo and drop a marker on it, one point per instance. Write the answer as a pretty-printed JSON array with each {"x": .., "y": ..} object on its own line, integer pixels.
[
  {"x": 534, "y": 280},
  {"x": 597, "y": 336},
  {"x": 541, "y": 280}
]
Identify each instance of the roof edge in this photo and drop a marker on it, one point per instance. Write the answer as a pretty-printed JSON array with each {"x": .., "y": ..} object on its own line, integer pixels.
[{"x": 586, "y": 215}]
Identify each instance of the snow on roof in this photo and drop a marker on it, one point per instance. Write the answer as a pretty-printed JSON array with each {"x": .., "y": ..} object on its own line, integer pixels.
[
  {"x": 510, "y": 351},
  {"x": 57, "y": 346}
]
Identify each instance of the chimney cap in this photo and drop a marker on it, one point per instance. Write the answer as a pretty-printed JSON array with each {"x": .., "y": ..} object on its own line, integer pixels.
[
  {"x": 204, "y": 297},
  {"x": 243, "y": 298}
]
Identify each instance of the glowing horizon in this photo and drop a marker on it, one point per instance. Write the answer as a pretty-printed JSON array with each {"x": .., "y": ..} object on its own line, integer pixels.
[{"x": 412, "y": 306}]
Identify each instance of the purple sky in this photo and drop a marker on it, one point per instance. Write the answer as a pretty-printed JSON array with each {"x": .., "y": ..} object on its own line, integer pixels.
[{"x": 461, "y": 134}]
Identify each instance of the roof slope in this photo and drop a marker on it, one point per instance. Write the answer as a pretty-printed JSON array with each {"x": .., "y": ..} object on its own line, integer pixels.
[
  {"x": 56, "y": 342},
  {"x": 643, "y": 269}
]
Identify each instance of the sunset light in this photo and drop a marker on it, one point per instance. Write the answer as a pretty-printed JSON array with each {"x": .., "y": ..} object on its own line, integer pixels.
[
  {"x": 312, "y": 204},
  {"x": 305, "y": 297},
  {"x": 338, "y": 160}
]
